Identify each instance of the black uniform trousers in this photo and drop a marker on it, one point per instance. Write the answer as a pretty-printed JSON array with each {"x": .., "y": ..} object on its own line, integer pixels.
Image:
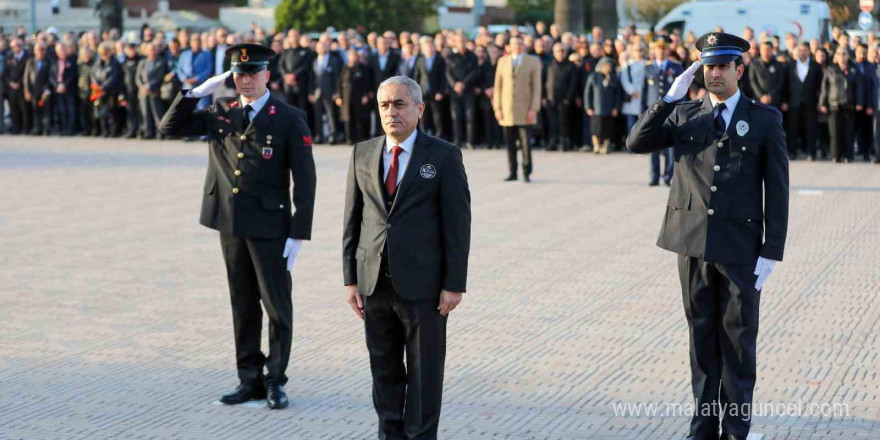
[
  {"x": 257, "y": 272},
  {"x": 841, "y": 132},
  {"x": 511, "y": 135},
  {"x": 463, "y": 108},
  {"x": 721, "y": 307},
  {"x": 801, "y": 129}
]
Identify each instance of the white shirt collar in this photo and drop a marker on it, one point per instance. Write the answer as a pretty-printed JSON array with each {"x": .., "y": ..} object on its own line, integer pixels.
[
  {"x": 256, "y": 105},
  {"x": 729, "y": 103},
  {"x": 407, "y": 143}
]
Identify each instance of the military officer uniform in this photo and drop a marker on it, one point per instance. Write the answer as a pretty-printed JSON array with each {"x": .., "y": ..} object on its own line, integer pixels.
[
  {"x": 253, "y": 150},
  {"x": 727, "y": 159}
]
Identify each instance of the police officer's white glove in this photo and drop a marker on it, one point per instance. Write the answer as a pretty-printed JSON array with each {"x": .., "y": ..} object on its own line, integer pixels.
[
  {"x": 207, "y": 88},
  {"x": 763, "y": 270},
  {"x": 291, "y": 248},
  {"x": 681, "y": 84}
]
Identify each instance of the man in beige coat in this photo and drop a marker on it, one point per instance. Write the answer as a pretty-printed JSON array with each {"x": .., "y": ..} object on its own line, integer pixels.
[{"x": 516, "y": 100}]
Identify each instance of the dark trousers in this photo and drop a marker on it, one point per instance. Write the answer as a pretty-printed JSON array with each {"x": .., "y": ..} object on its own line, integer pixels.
[
  {"x": 257, "y": 273},
  {"x": 801, "y": 129},
  {"x": 65, "y": 112},
  {"x": 865, "y": 133},
  {"x": 152, "y": 110},
  {"x": 667, "y": 165},
  {"x": 841, "y": 131},
  {"x": 463, "y": 109},
  {"x": 491, "y": 130},
  {"x": 324, "y": 106},
  {"x": 357, "y": 128},
  {"x": 42, "y": 115},
  {"x": 406, "y": 397},
  {"x": 85, "y": 116},
  {"x": 721, "y": 307},
  {"x": 511, "y": 135},
  {"x": 132, "y": 115},
  {"x": 876, "y": 135},
  {"x": 301, "y": 100},
  {"x": 558, "y": 125},
  {"x": 106, "y": 114},
  {"x": 20, "y": 111},
  {"x": 432, "y": 119}
]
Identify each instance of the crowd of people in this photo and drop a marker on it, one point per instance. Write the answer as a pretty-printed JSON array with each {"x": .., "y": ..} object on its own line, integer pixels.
[{"x": 593, "y": 87}]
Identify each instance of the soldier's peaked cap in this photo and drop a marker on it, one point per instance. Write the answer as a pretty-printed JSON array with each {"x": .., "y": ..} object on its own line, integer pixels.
[
  {"x": 721, "y": 48},
  {"x": 249, "y": 58}
]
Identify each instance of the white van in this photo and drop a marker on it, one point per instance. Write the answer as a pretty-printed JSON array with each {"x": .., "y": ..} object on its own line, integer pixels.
[{"x": 806, "y": 19}]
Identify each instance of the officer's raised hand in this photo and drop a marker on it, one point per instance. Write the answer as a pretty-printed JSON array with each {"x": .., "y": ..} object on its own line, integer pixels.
[
  {"x": 680, "y": 86},
  {"x": 208, "y": 87}
]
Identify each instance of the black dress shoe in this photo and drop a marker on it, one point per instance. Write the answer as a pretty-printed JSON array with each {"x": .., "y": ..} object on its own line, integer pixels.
[
  {"x": 276, "y": 398},
  {"x": 244, "y": 393},
  {"x": 667, "y": 182},
  {"x": 654, "y": 183},
  {"x": 731, "y": 437},
  {"x": 510, "y": 179},
  {"x": 526, "y": 179}
]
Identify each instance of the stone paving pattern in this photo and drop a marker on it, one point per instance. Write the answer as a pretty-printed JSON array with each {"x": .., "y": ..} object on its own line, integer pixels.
[{"x": 115, "y": 320}]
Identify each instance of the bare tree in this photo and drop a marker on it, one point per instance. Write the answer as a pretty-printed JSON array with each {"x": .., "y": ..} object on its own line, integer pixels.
[
  {"x": 651, "y": 11},
  {"x": 569, "y": 15}
]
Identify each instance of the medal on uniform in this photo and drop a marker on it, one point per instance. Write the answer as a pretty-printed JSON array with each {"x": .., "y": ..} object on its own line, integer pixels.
[
  {"x": 272, "y": 111},
  {"x": 233, "y": 104},
  {"x": 742, "y": 127},
  {"x": 268, "y": 138},
  {"x": 267, "y": 152}
]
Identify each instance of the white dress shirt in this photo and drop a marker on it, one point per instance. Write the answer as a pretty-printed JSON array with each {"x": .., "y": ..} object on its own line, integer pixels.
[
  {"x": 730, "y": 106},
  {"x": 402, "y": 159},
  {"x": 256, "y": 105},
  {"x": 219, "y": 58},
  {"x": 802, "y": 69}
]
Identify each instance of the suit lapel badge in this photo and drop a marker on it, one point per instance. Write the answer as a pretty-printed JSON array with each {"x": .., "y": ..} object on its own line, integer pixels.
[
  {"x": 428, "y": 171},
  {"x": 233, "y": 104},
  {"x": 272, "y": 110},
  {"x": 742, "y": 127},
  {"x": 267, "y": 152},
  {"x": 307, "y": 141}
]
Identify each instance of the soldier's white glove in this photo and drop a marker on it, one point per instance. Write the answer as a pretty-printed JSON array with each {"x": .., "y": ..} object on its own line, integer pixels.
[
  {"x": 207, "y": 88},
  {"x": 291, "y": 248},
  {"x": 762, "y": 270},
  {"x": 681, "y": 84}
]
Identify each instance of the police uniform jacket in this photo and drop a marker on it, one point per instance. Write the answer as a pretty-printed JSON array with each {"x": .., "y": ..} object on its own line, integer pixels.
[
  {"x": 247, "y": 188},
  {"x": 716, "y": 209}
]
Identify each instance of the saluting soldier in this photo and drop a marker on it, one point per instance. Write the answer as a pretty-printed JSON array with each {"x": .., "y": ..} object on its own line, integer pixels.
[
  {"x": 255, "y": 143},
  {"x": 730, "y": 154}
]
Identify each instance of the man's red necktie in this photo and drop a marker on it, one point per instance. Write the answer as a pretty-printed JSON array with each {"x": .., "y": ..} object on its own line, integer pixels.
[{"x": 391, "y": 180}]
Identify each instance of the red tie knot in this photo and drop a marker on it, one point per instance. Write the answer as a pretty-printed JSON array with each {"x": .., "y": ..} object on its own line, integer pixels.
[{"x": 396, "y": 150}]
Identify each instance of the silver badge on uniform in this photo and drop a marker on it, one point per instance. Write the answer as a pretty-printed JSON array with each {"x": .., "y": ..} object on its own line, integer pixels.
[
  {"x": 428, "y": 171},
  {"x": 742, "y": 127}
]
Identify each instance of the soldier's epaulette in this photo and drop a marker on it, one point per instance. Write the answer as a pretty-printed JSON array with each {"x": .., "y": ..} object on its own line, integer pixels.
[{"x": 761, "y": 105}]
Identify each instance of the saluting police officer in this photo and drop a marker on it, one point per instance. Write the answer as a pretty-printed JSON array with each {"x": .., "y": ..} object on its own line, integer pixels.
[
  {"x": 256, "y": 142},
  {"x": 730, "y": 151}
]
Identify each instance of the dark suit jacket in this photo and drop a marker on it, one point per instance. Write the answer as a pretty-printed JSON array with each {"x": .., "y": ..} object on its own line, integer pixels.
[
  {"x": 328, "y": 81},
  {"x": 741, "y": 167},
  {"x": 404, "y": 69},
  {"x": 560, "y": 83},
  {"x": 804, "y": 93},
  {"x": 298, "y": 62},
  {"x": 432, "y": 81},
  {"x": 14, "y": 71},
  {"x": 767, "y": 79},
  {"x": 255, "y": 203},
  {"x": 427, "y": 230},
  {"x": 151, "y": 76},
  {"x": 842, "y": 88},
  {"x": 68, "y": 78},
  {"x": 37, "y": 80},
  {"x": 354, "y": 84},
  {"x": 391, "y": 66}
]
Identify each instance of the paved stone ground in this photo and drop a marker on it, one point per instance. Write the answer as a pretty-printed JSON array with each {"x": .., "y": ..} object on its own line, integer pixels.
[{"x": 115, "y": 319}]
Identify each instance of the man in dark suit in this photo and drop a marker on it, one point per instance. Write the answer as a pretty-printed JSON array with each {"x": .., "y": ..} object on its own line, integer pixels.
[
  {"x": 560, "y": 86},
  {"x": 727, "y": 218},
  {"x": 355, "y": 92},
  {"x": 37, "y": 90},
  {"x": 462, "y": 75},
  {"x": 767, "y": 77},
  {"x": 323, "y": 82},
  {"x": 801, "y": 101},
  {"x": 62, "y": 80},
  {"x": 865, "y": 117},
  {"x": 409, "y": 57},
  {"x": 255, "y": 143},
  {"x": 294, "y": 66},
  {"x": 384, "y": 64},
  {"x": 405, "y": 245},
  {"x": 150, "y": 74},
  {"x": 431, "y": 76},
  {"x": 16, "y": 61}
]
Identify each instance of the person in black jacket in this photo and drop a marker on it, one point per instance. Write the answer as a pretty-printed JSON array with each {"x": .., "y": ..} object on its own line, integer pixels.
[
  {"x": 767, "y": 77},
  {"x": 324, "y": 80},
  {"x": 431, "y": 76},
  {"x": 62, "y": 78},
  {"x": 38, "y": 90},
  {"x": 151, "y": 72},
  {"x": 87, "y": 124},
  {"x": 801, "y": 100},
  {"x": 130, "y": 91},
  {"x": 462, "y": 74},
  {"x": 492, "y": 134},
  {"x": 559, "y": 92},
  {"x": 294, "y": 65},
  {"x": 842, "y": 95},
  {"x": 355, "y": 92},
  {"x": 384, "y": 64},
  {"x": 16, "y": 60},
  {"x": 865, "y": 117},
  {"x": 602, "y": 99},
  {"x": 106, "y": 85}
]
